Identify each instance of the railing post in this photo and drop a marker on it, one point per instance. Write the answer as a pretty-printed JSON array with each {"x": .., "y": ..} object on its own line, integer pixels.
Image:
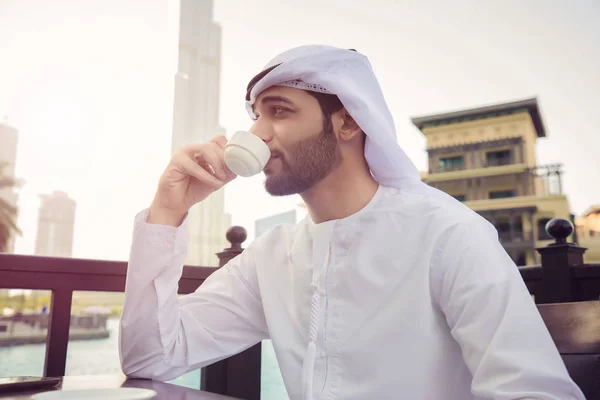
[
  {"x": 558, "y": 258},
  {"x": 239, "y": 375},
  {"x": 57, "y": 340}
]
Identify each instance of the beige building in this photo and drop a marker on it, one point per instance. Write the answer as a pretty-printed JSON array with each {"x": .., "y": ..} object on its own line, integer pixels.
[
  {"x": 588, "y": 233},
  {"x": 8, "y": 156},
  {"x": 56, "y": 224},
  {"x": 486, "y": 158},
  {"x": 588, "y": 225}
]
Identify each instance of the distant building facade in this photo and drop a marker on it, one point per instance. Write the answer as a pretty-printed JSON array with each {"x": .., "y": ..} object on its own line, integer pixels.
[
  {"x": 9, "y": 137},
  {"x": 262, "y": 225},
  {"x": 56, "y": 224},
  {"x": 588, "y": 225},
  {"x": 588, "y": 233}
]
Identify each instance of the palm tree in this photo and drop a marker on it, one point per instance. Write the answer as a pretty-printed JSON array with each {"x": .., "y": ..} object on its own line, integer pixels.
[{"x": 8, "y": 212}]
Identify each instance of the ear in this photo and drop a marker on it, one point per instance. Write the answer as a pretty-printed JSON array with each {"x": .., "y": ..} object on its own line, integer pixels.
[{"x": 349, "y": 129}]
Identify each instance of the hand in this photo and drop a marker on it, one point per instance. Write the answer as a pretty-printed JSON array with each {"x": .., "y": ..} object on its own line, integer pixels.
[{"x": 194, "y": 173}]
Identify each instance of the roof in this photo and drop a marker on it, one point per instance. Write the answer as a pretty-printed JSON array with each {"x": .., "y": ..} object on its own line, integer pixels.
[
  {"x": 592, "y": 210},
  {"x": 530, "y": 105}
]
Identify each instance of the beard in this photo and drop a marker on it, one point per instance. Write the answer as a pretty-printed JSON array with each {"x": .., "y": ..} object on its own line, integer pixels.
[{"x": 310, "y": 162}]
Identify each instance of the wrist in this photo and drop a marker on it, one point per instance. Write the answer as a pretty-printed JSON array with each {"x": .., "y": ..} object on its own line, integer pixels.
[{"x": 162, "y": 216}]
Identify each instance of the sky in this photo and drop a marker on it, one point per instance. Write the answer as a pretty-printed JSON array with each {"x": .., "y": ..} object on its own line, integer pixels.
[{"x": 89, "y": 85}]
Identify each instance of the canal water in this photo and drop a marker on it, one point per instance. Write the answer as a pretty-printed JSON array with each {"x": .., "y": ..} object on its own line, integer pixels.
[{"x": 102, "y": 357}]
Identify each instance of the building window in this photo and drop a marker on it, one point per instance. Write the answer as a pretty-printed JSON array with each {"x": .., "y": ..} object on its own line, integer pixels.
[
  {"x": 504, "y": 228},
  {"x": 496, "y": 158},
  {"x": 460, "y": 197},
  {"x": 502, "y": 194},
  {"x": 542, "y": 234},
  {"x": 452, "y": 163}
]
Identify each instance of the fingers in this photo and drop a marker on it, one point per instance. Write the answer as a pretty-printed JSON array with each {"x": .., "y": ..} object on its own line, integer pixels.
[
  {"x": 220, "y": 141},
  {"x": 210, "y": 157},
  {"x": 229, "y": 175},
  {"x": 213, "y": 156},
  {"x": 191, "y": 168}
]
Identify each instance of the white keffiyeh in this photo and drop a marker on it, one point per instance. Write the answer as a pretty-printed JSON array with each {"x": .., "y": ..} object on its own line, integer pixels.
[{"x": 349, "y": 75}]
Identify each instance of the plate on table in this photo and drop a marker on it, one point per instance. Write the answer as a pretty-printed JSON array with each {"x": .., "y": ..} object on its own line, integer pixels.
[{"x": 97, "y": 394}]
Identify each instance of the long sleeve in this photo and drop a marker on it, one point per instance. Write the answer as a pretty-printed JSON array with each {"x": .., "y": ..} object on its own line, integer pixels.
[
  {"x": 162, "y": 335},
  {"x": 489, "y": 310}
]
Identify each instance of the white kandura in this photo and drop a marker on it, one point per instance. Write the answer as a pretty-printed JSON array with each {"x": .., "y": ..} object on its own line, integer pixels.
[{"x": 412, "y": 297}]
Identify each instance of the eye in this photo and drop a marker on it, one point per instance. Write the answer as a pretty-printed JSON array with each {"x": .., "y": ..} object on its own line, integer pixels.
[{"x": 278, "y": 110}]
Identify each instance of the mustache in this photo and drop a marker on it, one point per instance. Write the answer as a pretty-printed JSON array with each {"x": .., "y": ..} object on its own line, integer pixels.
[{"x": 276, "y": 153}]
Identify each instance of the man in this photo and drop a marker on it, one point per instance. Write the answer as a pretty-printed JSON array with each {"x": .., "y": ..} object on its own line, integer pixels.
[{"x": 388, "y": 289}]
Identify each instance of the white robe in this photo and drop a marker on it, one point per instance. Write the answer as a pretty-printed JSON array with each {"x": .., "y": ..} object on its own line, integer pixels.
[{"x": 410, "y": 298}]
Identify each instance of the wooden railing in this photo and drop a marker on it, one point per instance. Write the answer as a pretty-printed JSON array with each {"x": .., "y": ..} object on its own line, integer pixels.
[
  {"x": 238, "y": 376},
  {"x": 562, "y": 277}
]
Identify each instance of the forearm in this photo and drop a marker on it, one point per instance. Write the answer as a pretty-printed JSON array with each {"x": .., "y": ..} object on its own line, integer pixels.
[
  {"x": 163, "y": 336},
  {"x": 151, "y": 310}
]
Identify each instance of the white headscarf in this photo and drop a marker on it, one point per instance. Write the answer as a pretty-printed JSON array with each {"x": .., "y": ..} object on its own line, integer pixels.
[{"x": 347, "y": 74}]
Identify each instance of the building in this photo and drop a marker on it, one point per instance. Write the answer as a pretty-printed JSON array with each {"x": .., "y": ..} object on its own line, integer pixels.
[
  {"x": 196, "y": 120},
  {"x": 290, "y": 217},
  {"x": 588, "y": 225},
  {"x": 262, "y": 225},
  {"x": 56, "y": 223},
  {"x": 485, "y": 157},
  {"x": 588, "y": 233},
  {"x": 9, "y": 137}
]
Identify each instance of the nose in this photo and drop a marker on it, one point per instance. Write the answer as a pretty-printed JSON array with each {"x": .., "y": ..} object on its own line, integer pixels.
[{"x": 263, "y": 130}]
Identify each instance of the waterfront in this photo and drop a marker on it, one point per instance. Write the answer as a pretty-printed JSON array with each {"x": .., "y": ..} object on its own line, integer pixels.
[{"x": 102, "y": 357}]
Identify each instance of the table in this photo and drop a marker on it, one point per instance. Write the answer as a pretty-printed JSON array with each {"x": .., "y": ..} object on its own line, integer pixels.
[{"x": 164, "y": 390}]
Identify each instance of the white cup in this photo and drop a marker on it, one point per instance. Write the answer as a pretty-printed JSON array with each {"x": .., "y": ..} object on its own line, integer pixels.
[{"x": 246, "y": 154}]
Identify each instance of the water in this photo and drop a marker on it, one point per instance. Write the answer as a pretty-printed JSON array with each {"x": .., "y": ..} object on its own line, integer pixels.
[{"x": 101, "y": 356}]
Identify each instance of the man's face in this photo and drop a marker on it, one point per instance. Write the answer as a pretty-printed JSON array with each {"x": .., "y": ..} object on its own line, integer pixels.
[{"x": 303, "y": 144}]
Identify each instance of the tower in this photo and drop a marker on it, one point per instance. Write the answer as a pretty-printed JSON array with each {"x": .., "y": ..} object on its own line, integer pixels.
[
  {"x": 56, "y": 224},
  {"x": 196, "y": 120}
]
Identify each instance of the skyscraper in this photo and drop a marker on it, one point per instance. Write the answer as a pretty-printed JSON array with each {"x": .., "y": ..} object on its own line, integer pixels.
[
  {"x": 196, "y": 120},
  {"x": 8, "y": 157},
  {"x": 263, "y": 225},
  {"x": 290, "y": 217},
  {"x": 56, "y": 223}
]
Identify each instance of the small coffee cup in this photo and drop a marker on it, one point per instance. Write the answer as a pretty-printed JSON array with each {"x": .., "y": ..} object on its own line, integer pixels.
[{"x": 246, "y": 154}]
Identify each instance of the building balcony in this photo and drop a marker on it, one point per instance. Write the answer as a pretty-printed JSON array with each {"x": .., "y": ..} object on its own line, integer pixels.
[
  {"x": 508, "y": 185},
  {"x": 463, "y": 173},
  {"x": 513, "y": 203},
  {"x": 451, "y": 168},
  {"x": 499, "y": 162},
  {"x": 516, "y": 240}
]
